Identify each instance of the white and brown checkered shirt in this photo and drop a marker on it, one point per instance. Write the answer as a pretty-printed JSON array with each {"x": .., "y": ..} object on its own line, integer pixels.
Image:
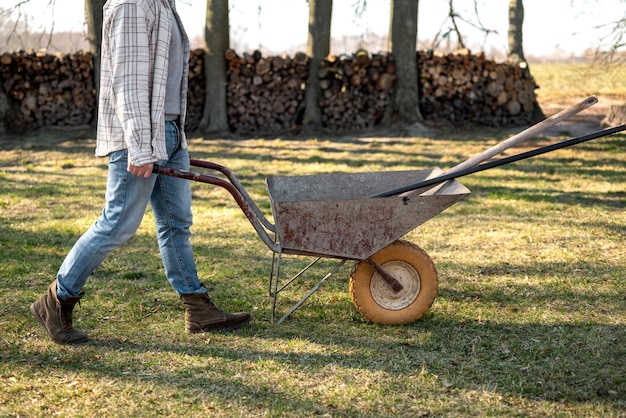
[{"x": 135, "y": 46}]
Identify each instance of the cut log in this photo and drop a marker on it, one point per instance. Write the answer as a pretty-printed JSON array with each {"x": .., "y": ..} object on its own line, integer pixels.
[{"x": 616, "y": 116}]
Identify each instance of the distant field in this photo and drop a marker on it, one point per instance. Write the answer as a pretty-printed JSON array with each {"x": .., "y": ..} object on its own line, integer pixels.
[{"x": 563, "y": 81}]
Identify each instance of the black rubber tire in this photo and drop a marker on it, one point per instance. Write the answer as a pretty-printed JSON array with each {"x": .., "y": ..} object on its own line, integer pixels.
[{"x": 375, "y": 299}]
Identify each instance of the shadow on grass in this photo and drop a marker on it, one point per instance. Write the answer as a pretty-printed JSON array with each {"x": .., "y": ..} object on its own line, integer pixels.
[
  {"x": 559, "y": 362},
  {"x": 516, "y": 356},
  {"x": 449, "y": 352}
]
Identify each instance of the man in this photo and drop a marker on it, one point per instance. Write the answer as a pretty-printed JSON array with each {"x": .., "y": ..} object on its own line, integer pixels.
[{"x": 142, "y": 107}]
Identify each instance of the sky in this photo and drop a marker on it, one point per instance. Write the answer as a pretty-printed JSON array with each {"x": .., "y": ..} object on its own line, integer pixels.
[{"x": 276, "y": 26}]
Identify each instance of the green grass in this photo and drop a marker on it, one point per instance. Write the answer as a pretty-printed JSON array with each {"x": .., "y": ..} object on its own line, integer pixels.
[{"x": 530, "y": 319}]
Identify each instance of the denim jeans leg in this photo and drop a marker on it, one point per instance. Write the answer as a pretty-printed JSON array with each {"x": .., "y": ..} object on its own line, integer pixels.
[
  {"x": 171, "y": 205},
  {"x": 127, "y": 198}
]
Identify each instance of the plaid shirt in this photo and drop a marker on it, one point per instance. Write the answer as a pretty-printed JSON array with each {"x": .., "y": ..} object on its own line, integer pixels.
[{"x": 133, "y": 77}]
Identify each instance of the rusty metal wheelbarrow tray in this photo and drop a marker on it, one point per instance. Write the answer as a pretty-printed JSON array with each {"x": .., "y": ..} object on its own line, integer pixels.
[{"x": 330, "y": 215}]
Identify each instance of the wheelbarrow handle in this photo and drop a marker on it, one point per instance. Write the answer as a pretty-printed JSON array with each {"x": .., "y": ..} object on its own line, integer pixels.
[
  {"x": 237, "y": 184},
  {"x": 247, "y": 205},
  {"x": 496, "y": 163},
  {"x": 528, "y": 133}
]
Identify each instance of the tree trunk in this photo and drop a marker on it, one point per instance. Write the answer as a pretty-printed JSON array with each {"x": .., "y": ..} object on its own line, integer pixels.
[
  {"x": 216, "y": 43},
  {"x": 318, "y": 47},
  {"x": 515, "y": 38},
  {"x": 516, "y": 46},
  {"x": 5, "y": 111},
  {"x": 404, "y": 107},
  {"x": 93, "y": 18}
]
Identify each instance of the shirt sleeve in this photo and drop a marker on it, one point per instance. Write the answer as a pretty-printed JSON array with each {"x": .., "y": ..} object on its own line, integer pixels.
[{"x": 131, "y": 79}]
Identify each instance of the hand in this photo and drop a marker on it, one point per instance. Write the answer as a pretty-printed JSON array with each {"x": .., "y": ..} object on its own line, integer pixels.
[{"x": 140, "y": 171}]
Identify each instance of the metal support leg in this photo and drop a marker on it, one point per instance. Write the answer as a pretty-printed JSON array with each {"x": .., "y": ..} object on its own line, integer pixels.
[{"x": 274, "y": 290}]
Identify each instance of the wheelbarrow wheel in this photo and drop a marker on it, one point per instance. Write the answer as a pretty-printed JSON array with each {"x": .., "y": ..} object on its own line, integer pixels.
[{"x": 377, "y": 301}]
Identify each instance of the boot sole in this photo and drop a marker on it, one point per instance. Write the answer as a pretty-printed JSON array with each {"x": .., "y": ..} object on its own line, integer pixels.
[{"x": 39, "y": 319}]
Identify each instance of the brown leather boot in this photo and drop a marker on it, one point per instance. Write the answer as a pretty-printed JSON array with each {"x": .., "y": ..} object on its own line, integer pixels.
[
  {"x": 201, "y": 315},
  {"x": 56, "y": 316}
]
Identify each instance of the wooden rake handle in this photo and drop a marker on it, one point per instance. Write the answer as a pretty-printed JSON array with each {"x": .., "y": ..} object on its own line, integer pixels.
[{"x": 525, "y": 134}]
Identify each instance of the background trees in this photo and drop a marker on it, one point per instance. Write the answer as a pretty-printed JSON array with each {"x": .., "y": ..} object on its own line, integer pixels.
[
  {"x": 402, "y": 37},
  {"x": 403, "y": 30},
  {"x": 516, "y": 44},
  {"x": 318, "y": 47},
  {"x": 216, "y": 42},
  {"x": 93, "y": 19}
]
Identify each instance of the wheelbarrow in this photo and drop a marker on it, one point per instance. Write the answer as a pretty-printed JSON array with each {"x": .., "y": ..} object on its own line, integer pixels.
[{"x": 362, "y": 217}]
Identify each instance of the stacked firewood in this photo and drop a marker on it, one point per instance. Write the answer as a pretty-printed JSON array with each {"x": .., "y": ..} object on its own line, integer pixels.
[
  {"x": 48, "y": 89},
  {"x": 196, "y": 91},
  {"x": 265, "y": 94},
  {"x": 355, "y": 90},
  {"x": 466, "y": 88}
]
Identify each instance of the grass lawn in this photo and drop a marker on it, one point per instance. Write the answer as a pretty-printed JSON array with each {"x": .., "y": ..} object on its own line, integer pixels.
[{"x": 530, "y": 319}]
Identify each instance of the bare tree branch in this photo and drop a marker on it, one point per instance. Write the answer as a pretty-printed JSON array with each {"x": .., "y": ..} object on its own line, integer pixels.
[
  {"x": 20, "y": 18},
  {"x": 359, "y": 8},
  {"x": 453, "y": 18}
]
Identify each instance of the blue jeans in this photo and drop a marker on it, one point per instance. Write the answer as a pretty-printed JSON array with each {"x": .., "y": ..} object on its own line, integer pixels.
[{"x": 127, "y": 198}]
